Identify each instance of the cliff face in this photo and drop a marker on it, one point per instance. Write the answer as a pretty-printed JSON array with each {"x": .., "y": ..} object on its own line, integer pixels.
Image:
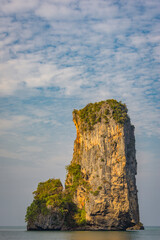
[
  {"x": 105, "y": 150},
  {"x": 100, "y": 189}
]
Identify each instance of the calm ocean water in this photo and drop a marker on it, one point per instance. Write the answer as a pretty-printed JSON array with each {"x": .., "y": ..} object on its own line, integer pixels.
[{"x": 20, "y": 233}]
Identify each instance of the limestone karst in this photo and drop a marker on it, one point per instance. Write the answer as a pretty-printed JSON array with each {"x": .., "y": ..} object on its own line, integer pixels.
[{"x": 100, "y": 188}]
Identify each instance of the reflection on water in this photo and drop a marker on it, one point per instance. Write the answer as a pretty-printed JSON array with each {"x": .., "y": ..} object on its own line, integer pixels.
[{"x": 99, "y": 236}]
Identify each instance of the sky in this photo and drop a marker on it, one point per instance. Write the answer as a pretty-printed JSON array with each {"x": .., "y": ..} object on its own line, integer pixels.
[{"x": 59, "y": 55}]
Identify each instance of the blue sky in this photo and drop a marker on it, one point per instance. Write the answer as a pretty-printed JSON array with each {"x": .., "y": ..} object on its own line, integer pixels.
[{"x": 57, "y": 55}]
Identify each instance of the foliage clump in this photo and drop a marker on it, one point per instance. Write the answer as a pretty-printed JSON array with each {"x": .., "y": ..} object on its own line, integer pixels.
[
  {"x": 50, "y": 195},
  {"x": 32, "y": 211},
  {"x": 119, "y": 112},
  {"x": 95, "y": 112},
  {"x": 76, "y": 178},
  {"x": 90, "y": 115},
  {"x": 80, "y": 217},
  {"x": 74, "y": 170},
  {"x": 95, "y": 193},
  {"x": 46, "y": 190}
]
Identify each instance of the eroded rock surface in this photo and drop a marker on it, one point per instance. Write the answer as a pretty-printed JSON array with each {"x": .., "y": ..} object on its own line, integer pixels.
[{"x": 106, "y": 153}]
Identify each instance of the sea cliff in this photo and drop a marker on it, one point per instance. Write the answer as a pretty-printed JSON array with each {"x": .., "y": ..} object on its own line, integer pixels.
[{"x": 100, "y": 188}]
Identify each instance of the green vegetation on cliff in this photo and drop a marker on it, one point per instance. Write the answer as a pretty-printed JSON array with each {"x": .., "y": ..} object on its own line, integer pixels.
[
  {"x": 80, "y": 217},
  {"x": 74, "y": 170},
  {"x": 76, "y": 178},
  {"x": 90, "y": 115},
  {"x": 119, "y": 111},
  {"x": 46, "y": 190},
  {"x": 50, "y": 197},
  {"x": 95, "y": 112}
]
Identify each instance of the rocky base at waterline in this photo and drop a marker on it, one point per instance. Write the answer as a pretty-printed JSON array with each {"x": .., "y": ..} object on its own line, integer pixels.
[
  {"x": 100, "y": 188},
  {"x": 138, "y": 226}
]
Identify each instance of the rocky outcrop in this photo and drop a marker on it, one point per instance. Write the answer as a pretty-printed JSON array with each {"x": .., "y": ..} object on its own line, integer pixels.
[
  {"x": 105, "y": 150},
  {"x": 50, "y": 221},
  {"x": 100, "y": 181},
  {"x": 138, "y": 226}
]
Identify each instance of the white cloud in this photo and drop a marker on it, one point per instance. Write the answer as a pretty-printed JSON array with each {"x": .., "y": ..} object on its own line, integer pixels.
[
  {"x": 113, "y": 26},
  {"x": 15, "y": 6},
  {"x": 52, "y": 10}
]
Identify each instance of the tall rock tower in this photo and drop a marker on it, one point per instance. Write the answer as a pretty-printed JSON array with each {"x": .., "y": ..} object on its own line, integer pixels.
[
  {"x": 105, "y": 152},
  {"x": 100, "y": 189}
]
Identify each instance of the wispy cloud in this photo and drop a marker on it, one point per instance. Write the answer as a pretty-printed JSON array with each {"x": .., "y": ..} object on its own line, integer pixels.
[{"x": 86, "y": 48}]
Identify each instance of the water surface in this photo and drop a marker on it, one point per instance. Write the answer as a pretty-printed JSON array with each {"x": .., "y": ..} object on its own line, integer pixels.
[{"x": 20, "y": 233}]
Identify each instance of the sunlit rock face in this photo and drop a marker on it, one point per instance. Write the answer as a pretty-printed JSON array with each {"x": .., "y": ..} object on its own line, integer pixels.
[{"x": 105, "y": 150}]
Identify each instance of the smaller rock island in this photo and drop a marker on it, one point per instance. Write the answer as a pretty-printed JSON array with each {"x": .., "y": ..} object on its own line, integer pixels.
[{"x": 100, "y": 189}]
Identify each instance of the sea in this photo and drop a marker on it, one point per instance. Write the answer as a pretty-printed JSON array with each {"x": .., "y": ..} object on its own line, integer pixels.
[{"x": 20, "y": 233}]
